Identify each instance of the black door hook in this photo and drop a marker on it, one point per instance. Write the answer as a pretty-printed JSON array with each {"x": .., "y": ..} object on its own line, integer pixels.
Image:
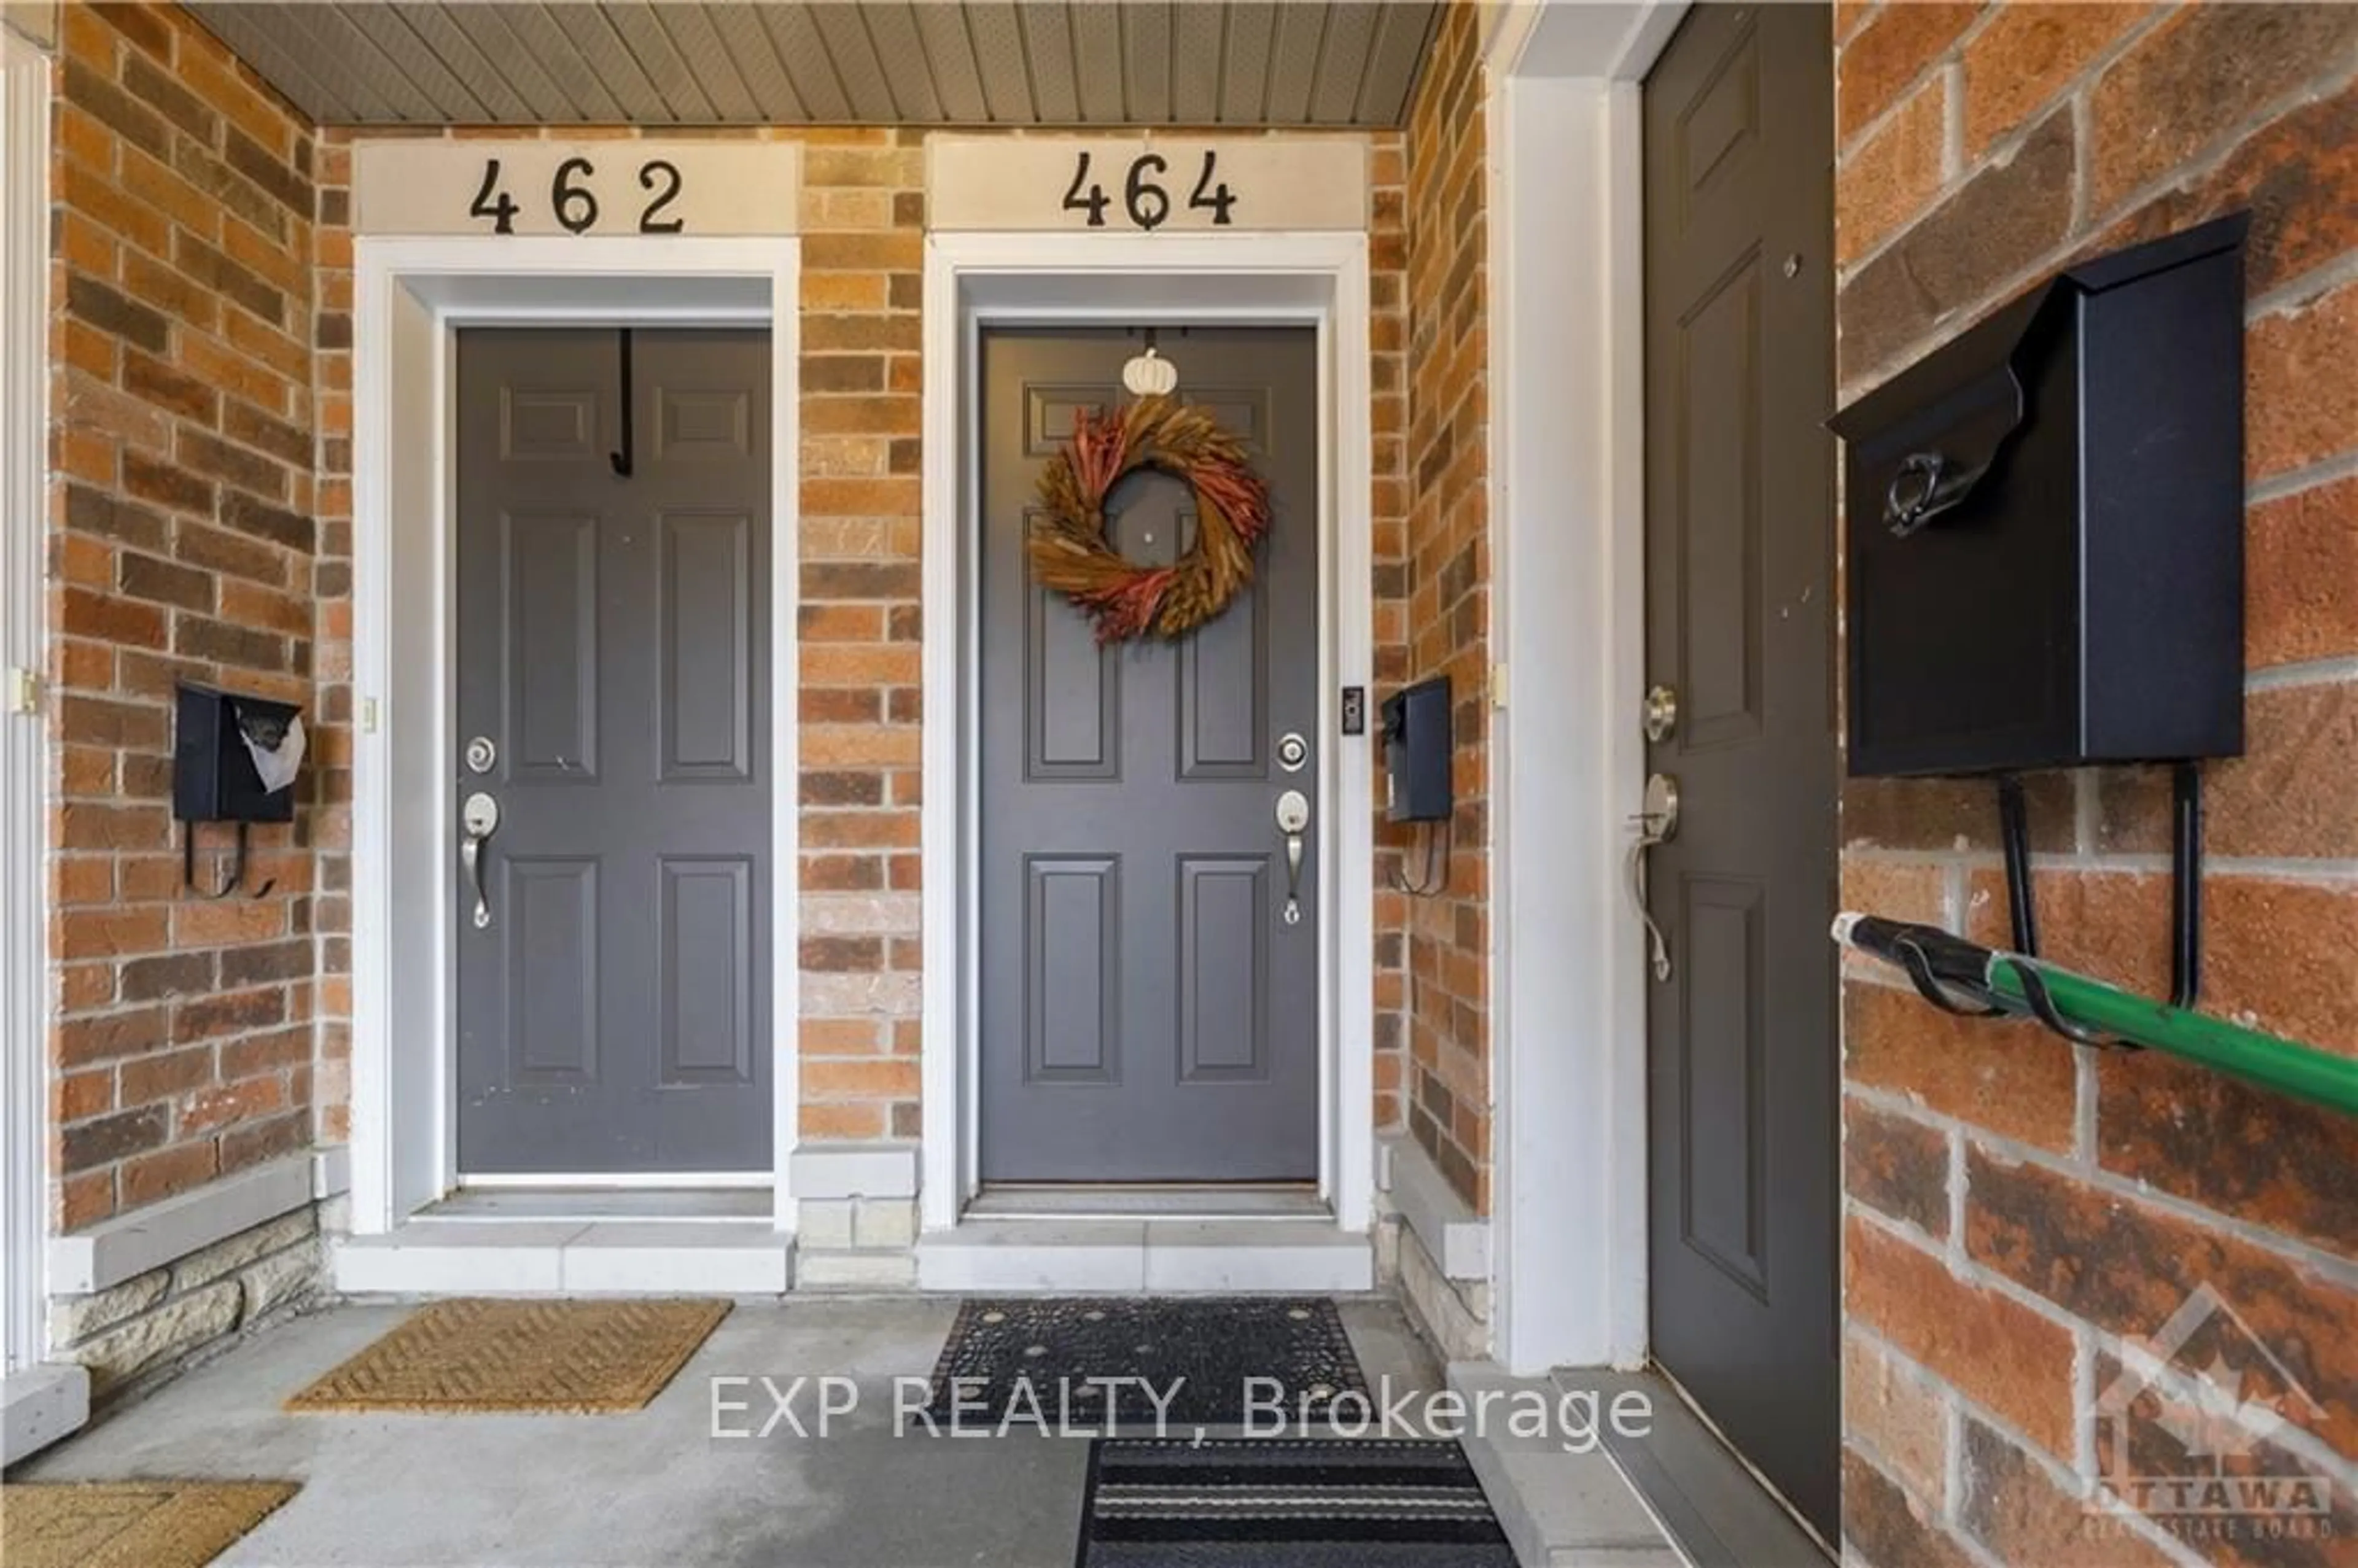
[{"x": 623, "y": 458}]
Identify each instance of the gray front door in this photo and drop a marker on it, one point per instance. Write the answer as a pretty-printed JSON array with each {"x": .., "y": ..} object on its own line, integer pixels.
[
  {"x": 1739, "y": 529},
  {"x": 1147, "y": 1013},
  {"x": 613, "y": 656}
]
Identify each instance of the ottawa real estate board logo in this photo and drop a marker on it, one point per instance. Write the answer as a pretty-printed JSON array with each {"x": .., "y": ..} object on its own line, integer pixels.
[{"x": 2190, "y": 1433}]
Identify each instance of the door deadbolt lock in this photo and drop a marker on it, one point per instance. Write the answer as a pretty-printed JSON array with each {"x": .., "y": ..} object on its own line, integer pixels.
[
  {"x": 1292, "y": 752},
  {"x": 482, "y": 754},
  {"x": 1661, "y": 713}
]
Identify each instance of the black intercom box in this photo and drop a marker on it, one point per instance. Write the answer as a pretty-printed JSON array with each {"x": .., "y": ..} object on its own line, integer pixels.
[
  {"x": 1416, "y": 752},
  {"x": 213, "y": 776},
  {"x": 2046, "y": 526}
]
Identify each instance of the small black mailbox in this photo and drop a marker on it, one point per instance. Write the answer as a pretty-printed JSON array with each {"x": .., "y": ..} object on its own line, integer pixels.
[
  {"x": 1416, "y": 752},
  {"x": 2046, "y": 526},
  {"x": 213, "y": 775}
]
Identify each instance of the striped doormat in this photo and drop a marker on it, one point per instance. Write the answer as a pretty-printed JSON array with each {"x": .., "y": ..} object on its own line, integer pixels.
[{"x": 1285, "y": 1503}]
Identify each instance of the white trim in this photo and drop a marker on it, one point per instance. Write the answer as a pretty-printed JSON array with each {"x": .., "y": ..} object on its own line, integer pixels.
[
  {"x": 409, "y": 295},
  {"x": 1568, "y": 1244},
  {"x": 1312, "y": 278},
  {"x": 1163, "y": 1255},
  {"x": 114, "y": 1249},
  {"x": 625, "y": 1182},
  {"x": 24, "y": 986},
  {"x": 572, "y": 1257}
]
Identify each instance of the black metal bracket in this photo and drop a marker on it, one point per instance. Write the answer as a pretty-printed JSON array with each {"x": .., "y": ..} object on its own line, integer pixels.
[
  {"x": 2186, "y": 884},
  {"x": 236, "y": 870},
  {"x": 623, "y": 458},
  {"x": 2185, "y": 901}
]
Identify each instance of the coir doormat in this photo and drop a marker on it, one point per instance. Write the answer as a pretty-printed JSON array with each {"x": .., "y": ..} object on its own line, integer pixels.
[
  {"x": 1286, "y": 1503},
  {"x": 458, "y": 1357},
  {"x": 1157, "y": 1362},
  {"x": 130, "y": 1524}
]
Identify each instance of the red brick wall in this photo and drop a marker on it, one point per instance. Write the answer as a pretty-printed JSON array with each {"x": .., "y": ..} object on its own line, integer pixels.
[
  {"x": 2018, "y": 1209},
  {"x": 182, "y": 546},
  {"x": 1446, "y": 580},
  {"x": 863, "y": 237}
]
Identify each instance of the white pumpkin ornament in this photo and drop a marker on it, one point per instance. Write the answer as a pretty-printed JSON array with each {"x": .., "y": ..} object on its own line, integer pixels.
[{"x": 1150, "y": 375}]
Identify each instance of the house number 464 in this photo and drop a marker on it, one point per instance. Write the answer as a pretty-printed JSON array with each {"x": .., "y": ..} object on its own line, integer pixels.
[
  {"x": 1144, "y": 198},
  {"x": 573, "y": 201}
]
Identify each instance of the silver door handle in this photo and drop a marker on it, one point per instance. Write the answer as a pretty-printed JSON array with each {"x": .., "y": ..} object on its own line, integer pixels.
[
  {"x": 479, "y": 817},
  {"x": 1292, "y": 817},
  {"x": 1657, "y": 824}
]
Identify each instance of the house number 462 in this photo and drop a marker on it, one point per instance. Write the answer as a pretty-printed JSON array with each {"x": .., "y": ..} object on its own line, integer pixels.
[
  {"x": 1145, "y": 198},
  {"x": 573, "y": 201}
]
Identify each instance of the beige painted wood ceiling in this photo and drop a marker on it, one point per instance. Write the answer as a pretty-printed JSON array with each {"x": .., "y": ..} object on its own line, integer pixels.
[{"x": 684, "y": 62}]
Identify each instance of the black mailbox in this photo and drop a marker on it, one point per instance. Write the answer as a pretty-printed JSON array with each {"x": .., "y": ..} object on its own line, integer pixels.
[
  {"x": 213, "y": 773},
  {"x": 1417, "y": 742},
  {"x": 2045, "y": 552}
]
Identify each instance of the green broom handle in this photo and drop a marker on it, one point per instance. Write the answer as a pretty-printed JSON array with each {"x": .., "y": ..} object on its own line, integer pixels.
[{"x": 2270, "y": 1061}]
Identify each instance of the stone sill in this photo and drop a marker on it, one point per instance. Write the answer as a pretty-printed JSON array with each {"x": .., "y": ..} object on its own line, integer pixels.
[
  {"x": 131, "y": 1244},
  {"x": 1455, "y": 1237}
]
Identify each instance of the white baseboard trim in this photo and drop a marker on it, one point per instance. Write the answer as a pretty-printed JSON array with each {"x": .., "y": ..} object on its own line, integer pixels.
[
  {"x": 115, "y": 1249},
  {"x": 457, "y": 1257},
  {"x": 1122, "y": 1256},
  {"x": 39, "y": 1405},
  {"x": 852, "y": 1171},
  {"x": 1455, "y": 1237}
]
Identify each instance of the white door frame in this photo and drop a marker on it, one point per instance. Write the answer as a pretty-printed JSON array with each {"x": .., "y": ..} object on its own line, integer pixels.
[
  {"x": 1312, "y": 279},
  {"x": 25, "y": 984},
  {"x": 410, "y": 294},
  {"x": 1567, "y": 761}
]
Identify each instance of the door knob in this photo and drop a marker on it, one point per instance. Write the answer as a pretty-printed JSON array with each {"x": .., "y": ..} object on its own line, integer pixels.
[
  {"x": 1657, "y": 823},
  {"x": 1292, "y": 817},
  {"x": 479, "y": 819}
]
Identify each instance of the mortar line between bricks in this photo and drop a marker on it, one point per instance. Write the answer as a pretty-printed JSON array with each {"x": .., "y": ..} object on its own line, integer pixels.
[
  {"x": 2001, "y": 149},
  {"x": 2293, "y": 482},
  {"x": 2318, "y": 871},
  {"x": 2064, "y": 1477},
  {"x": 2185, "y": 176},
  {"x": 2299, "y": 293},
  {"x": 1925, "y": 75},
  {"x": 1963, "y": 1405},
  {"x": 2121, "y": 1347},
  {"x": 2314, "y": 672},
  {"x": 2337, "y": 1270},
  {"x": 2296, "y": 1440}
]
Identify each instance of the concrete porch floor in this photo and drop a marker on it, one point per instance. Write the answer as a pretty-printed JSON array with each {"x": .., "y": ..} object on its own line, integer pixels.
[{"x": 649, "y": 1489}]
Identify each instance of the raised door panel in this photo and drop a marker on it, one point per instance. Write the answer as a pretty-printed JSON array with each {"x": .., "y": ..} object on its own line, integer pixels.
[
  {"x": 705, "y": 646},
  {"x": 1071, "y": 934},
  {"x": 549, "y": 568}
]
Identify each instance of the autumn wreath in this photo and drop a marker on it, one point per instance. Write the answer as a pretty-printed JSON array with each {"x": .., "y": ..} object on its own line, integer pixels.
[{"x": 1069, "y": 551}]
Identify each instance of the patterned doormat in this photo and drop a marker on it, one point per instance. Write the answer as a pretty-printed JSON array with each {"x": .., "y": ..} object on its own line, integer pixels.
[
  {"x": 1286, "y": 1503},
  {"x": 130, "y": 1524},
  {"x": 1180, "y": 1361},
  {"x": 458, "y": 1357}
]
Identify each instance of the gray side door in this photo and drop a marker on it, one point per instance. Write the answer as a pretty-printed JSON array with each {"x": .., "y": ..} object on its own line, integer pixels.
[
  {"x": 614, "y": 1012},
  {"x": 1739, "y": 553},
  {"x": 1147, "y": 1014}
]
